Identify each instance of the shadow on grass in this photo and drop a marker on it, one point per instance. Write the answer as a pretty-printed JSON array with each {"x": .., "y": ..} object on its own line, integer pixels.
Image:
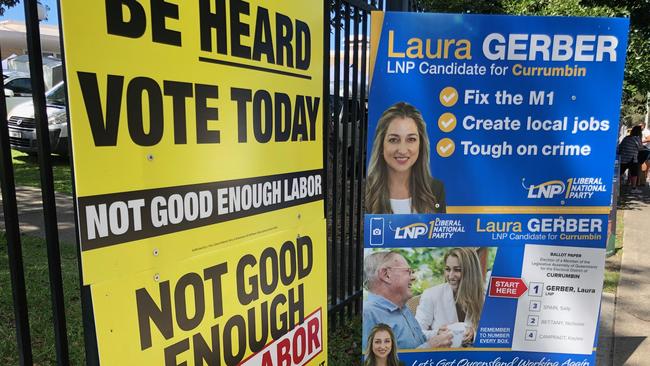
[
  {"x": 27, "y": 171},
  {"x": 39, "y": 305}
]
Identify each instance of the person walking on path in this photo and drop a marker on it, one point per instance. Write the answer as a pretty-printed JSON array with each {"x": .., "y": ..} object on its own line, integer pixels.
[
  {"x": 644, "y": 156},
  {"x": 628, "y": 150}
]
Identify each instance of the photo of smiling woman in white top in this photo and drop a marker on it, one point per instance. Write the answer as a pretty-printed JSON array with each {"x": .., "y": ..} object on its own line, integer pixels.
[
  {"x": 399, "y": 174},
  {"x": 458, "y": 300}
]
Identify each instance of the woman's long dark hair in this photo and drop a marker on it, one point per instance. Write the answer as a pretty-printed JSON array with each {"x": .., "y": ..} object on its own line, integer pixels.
[{"x": 377, "y": 196}]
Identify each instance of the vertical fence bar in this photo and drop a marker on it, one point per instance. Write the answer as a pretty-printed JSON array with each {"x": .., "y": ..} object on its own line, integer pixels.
[
  {"x": 47, "y": 185},
  {"x": 327, "y": 118},
  {"x": 363, "y": 121},
  {"x": 349, "y": 112},
  {"x": 14, "y": 251},
  {"x": 334, "y": 298},
  {"x": 354, "y": 99},
  {"x": 344, "y": 150},
  {"x": 87, "y": 316}
]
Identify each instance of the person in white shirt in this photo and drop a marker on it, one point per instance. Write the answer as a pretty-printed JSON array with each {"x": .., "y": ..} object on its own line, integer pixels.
[
  {"x": 645, "y": 135},
  {"x": 459, "y": 299},
  {"x": 399, "y": 174}
]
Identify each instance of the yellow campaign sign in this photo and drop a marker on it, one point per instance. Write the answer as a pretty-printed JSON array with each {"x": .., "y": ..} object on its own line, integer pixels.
[
  {"x": 197, "y": 143},
  {"x": 193, "y": 123},
  {"x": 255, "y": 302}
]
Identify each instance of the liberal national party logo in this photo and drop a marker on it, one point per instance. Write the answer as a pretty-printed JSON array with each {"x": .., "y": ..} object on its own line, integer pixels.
[
  {"x": 573, "y": 188},
  {"x": 438, "y": 228}
]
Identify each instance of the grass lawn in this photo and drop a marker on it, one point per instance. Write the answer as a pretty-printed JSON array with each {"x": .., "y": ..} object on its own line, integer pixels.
[
  {"x": 27, "y": 172},
  {"x": 39, "y": 304},
  {"x": 613, "y": 263}
]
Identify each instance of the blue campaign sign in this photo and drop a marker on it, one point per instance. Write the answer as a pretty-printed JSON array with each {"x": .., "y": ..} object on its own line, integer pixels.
[
  {"x": 485, "y": 289},
  {"x": 519, "y": 111}
]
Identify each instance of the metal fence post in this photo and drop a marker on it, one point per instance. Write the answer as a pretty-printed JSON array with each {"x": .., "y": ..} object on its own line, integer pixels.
[
  {"x": 346, "y": 154},
  {"x": 14, "y": 251},
  {"x": 47, "y": 181}
]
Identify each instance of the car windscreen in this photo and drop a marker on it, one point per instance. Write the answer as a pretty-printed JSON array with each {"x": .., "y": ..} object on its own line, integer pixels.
[{"x": 56, "y": 96}]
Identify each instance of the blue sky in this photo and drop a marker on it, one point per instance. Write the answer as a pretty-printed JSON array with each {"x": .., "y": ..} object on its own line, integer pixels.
[{"x": 18, "y": 13}]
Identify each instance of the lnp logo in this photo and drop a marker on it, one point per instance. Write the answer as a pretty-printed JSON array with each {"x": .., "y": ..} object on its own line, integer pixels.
[
  {"x": 548, "y": 189},
  {"x": 412, "y": 231}
]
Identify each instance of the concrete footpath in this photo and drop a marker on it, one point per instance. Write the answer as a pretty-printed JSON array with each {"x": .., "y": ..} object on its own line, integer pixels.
[
  {"x": 624, "y": 319},
  {"x": 631, "y": 324},
  {"x": 30, "y": 214}
]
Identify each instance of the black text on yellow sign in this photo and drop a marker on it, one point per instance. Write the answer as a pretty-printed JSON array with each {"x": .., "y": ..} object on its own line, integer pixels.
[
  {"x": 150, "y": 115},
  {"x": 276, "y": 117},
  {"x": 225, "y": 28},
  {"x": 276, "y": 272},
  {"x": 287, "y": 44},
  {"x": 183, "y": 116},
  {"x": 259, "y": 301}
]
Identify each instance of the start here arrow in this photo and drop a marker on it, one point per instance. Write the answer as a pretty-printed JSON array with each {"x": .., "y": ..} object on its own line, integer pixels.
[{"x": 507, "y": 287}]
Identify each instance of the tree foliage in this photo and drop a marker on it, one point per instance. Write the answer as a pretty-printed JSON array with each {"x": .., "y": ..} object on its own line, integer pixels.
[
  {"x": 463, "y": 6},
  {"x": 636, "y": 84},
  {"x": 6, "y": 4}
]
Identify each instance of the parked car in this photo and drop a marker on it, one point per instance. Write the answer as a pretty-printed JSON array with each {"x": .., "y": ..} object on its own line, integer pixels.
[
  {"x": 22, "y": 124},
  {"x": 17, "y": 88}
]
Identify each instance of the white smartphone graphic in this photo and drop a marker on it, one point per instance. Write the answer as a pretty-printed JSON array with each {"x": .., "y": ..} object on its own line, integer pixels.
[{"x": 377, "y": 231}]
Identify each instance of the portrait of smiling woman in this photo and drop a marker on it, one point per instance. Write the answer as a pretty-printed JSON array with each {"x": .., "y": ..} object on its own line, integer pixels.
[
  {"x": 382, "y": 349},
  {"x": 399, "y": 174}
]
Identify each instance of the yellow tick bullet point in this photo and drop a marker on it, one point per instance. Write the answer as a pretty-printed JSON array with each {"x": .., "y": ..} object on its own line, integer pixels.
[
  {"x": 445, "y": 147},
  {"x": 447, "y": 122},
  {"x": 448, "y": 96}
]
